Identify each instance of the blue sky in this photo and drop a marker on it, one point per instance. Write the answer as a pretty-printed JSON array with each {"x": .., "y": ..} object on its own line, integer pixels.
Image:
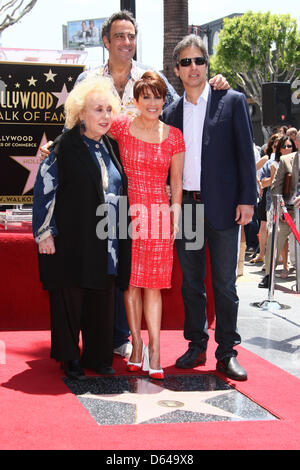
[{"x": 42, "y": 27}]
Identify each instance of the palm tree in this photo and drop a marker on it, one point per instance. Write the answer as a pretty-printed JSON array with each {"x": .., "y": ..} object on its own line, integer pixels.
[
  {"x": 12, "y": 11},
  {"x": 128, "y": 5},
  {"x": 175, "y": 28}
]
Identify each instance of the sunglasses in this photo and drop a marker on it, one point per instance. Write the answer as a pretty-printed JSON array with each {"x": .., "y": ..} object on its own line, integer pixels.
[
  {"x": 286, "y": 146},
  {"x": 187, "y": 61}
]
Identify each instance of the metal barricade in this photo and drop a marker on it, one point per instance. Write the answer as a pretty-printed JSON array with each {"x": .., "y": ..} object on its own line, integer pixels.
[
  {"x": 270, "y": 303},
  {"x": 274, "y": 249}
]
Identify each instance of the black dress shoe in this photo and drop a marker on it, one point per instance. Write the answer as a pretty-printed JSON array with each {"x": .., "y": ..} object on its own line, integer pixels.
[
  {"x": 231, "y": 368},
  {"x": 192, "y": 358},
  {"x": 264, "y": 283},
  {"x": 105, "y": 370},
  {"x": 73, "y": 370}
]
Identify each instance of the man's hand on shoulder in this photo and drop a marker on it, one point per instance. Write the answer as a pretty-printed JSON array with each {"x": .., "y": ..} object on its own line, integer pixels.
[
  {"x": 219, "y": 82},
  {"x": 297, "y": 202}
]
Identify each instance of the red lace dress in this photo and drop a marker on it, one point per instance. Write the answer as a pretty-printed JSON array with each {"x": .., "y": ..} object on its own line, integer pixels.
[{"x": 146, "y": 166}]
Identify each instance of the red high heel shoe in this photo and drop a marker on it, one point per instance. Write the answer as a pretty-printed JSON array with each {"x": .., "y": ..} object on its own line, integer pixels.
[
  {"x": 136, "y": 366},
  {"x": 153, "y": 373}
]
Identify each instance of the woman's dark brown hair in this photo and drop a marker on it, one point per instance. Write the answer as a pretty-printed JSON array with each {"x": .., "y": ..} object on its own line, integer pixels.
[
  {"x": 269, "y": 148},
  {"x": 280, "y": 144}
]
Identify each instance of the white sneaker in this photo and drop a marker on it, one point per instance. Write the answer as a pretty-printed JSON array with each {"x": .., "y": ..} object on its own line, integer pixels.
[{"x": 124, "y": 350}]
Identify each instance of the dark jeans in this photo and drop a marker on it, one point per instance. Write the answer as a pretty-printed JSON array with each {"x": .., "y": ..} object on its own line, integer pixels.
[
  {"x": 223, "y": 248},
  {"x": 121, "y": 328}
]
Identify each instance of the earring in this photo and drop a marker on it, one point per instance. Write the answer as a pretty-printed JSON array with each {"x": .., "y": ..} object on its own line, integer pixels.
[{"x": 82, "y": 126}]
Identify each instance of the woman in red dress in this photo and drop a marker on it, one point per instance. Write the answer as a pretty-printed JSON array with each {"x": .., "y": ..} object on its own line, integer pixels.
[{"x": 149, "y": 149}]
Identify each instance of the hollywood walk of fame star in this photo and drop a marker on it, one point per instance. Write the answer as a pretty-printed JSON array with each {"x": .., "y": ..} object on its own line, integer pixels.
[
  {"x": 50, "y": 76},
  {"x": 31, "y": 81},
  {"x": 31, "y": 163},
  {"x": 62, "y": 96},
  {"x": 153, "y": 401}
]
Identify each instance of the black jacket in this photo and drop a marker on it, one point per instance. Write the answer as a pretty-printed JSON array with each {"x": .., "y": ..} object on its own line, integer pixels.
[
  {"x": 228, "y": 173},
  {"x": 81, "y": 257}
]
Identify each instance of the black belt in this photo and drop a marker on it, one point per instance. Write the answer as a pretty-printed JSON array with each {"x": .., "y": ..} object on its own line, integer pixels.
[{"x": 196, "y": 195}]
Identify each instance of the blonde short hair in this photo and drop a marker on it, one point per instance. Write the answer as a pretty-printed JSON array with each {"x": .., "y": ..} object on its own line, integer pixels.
[{"x": 76, "y": 101}]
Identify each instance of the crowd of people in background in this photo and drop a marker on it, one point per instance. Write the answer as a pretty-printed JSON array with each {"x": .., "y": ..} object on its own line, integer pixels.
[{"x": 256, "y": 239}]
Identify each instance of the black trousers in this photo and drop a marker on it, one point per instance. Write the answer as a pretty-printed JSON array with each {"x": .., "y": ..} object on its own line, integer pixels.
[{"x": 91, "y": 311}]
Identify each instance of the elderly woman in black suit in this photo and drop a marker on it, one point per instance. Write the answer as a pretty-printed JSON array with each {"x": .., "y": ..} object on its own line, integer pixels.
[{"x": 75, "y": 224}]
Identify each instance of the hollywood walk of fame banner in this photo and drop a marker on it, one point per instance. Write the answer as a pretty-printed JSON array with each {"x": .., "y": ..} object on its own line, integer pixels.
[{"x": 31, "y": 113}]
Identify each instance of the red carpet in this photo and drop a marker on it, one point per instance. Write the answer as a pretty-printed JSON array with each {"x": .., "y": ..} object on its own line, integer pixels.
[
  {"x": 39, "y": 412},
  {"x": 25, "y": 306}
]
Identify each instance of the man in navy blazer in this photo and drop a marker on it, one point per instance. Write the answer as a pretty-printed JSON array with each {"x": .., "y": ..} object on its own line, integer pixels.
[{"x": 219, "y": 172}]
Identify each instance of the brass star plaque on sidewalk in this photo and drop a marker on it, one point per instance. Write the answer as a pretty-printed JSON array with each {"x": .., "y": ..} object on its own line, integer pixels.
[{"x": 185, "y": 398}]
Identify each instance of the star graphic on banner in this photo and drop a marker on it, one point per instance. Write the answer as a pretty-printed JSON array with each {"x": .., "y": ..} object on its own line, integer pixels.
[
  {"x": 31, "y": 163},
  {"x": 153, "y": 401},
  {"x": 31, "y": 81},
  {"x": 70, "y": 79},
  {"x": 62, "y": 96},
  {"x": 17, "y": 85},
  {"x": 50, "y": 76}
]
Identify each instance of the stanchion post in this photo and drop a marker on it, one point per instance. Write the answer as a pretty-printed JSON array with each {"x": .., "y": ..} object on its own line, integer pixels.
[
  {"x": 274, "y": 247},
  {"x": 271, "y": 304},
  {"x": 297, "y": 249}
]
